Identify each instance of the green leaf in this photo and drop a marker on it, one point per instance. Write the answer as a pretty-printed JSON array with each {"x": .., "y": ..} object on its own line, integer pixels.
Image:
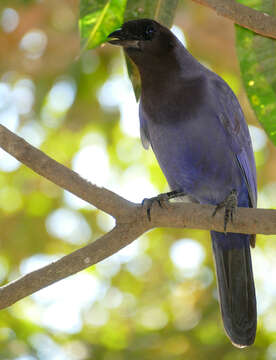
[
  {"x": 162, "y": 11},
  {"x": 98, "y": 18},
  {"x": 257, "y": 57}
]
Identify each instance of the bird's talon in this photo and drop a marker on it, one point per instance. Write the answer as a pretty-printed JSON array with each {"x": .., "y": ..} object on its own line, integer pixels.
[
  {"x": 148, "y": 214},
  {"x": 230, "y": 204},
  {"x": 161, "y": 199},
  {"x": 215, "y": 211}
]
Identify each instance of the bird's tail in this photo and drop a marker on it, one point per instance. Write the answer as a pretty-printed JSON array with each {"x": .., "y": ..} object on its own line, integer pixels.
[{"x": 235, "y": 286}]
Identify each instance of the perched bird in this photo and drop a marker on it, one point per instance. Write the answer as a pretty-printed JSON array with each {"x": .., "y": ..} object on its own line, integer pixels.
[{"x": 196, "y": 128}]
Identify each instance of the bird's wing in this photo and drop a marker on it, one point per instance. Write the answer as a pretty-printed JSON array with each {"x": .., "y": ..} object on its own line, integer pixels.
[
  {"x": 144, "y": 134},
  {"x": 228, "y": 110},
  {"x": 238, "y": 137}
]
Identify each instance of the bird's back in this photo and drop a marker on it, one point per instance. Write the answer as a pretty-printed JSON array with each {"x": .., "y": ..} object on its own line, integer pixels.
[{"x": 187, "y": 132}]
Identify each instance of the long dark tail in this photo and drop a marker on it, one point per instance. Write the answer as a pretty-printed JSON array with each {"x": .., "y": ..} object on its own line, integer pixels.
[{"x": 235, "y": 286}]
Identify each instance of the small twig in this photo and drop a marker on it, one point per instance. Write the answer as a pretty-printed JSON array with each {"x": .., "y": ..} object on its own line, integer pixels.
[{"x": 257, "y": 21}]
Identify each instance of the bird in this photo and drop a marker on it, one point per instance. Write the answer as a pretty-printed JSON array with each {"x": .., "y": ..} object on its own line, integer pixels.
[{"x": 196, "y": 128}]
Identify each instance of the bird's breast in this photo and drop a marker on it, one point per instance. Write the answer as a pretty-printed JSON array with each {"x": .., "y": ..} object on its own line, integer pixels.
[{"x": 194, "y": 158}]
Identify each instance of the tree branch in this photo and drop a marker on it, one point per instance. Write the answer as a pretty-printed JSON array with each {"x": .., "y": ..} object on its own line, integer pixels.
[
  {"x": 131, "y": 220},
  {"x": 70, "y": 264},
  {"x": 67, "y": 179},
  {"x": 257, "y": 21}
]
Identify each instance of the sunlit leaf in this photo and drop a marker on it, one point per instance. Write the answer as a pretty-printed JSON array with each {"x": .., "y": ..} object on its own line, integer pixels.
[
  {"x": 257, "y": 57},
  {"x": 98, "y": 18},
  {"x": 162, "y": 11}
]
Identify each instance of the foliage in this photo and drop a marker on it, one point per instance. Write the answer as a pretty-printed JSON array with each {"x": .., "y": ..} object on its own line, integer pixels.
[
  {"x": 157, "y": 298},
  {"x": 257, "y": 56},
  {"x": 98, "y": 19}
]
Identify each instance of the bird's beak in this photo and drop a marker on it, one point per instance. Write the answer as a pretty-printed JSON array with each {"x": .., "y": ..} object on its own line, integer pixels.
[{"x": 118, "y": 38}]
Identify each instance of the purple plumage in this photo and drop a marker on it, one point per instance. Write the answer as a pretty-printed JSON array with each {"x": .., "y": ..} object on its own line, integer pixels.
[{"x": 196, "y": 128}]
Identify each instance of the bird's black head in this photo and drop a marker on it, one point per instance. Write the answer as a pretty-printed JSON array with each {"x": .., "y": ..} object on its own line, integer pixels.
[{"x": 144, "y": 36}]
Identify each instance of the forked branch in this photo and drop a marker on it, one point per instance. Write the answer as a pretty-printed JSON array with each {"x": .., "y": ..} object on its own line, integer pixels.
[{"x": 131, "y": 220}]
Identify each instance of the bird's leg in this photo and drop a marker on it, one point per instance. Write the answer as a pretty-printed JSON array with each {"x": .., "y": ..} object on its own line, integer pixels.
[
  {"x": 230, "y": 204},
  {"x": 160, "y": 199}
]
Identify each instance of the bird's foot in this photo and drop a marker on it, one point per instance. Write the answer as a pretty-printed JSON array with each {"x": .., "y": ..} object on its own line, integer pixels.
[
  {"x": 230, "y": 204},
  {"x": 161, "y": 199}
]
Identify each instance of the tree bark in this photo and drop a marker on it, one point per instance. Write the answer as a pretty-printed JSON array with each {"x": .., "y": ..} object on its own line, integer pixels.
[
  {"x": 131, "y": 220},
  {"x": 257, "y": 21}
]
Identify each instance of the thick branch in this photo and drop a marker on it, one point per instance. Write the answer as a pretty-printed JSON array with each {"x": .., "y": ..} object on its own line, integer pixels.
[
  {"x": 259, "y": 22},
  {"x": 60, "y": 175},
  {"x": 175, "y": 215},
  {"x": 195, "y": 216},
  {"x": 131, "y": 220},
  {"x": 89, "y": 255}
]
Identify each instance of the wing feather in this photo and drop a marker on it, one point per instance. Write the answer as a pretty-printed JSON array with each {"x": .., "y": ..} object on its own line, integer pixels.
[{"x": 238, "y": 137}]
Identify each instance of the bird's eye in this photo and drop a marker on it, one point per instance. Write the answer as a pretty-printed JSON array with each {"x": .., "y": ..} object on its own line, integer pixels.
[{"x": 149, "y": 32}]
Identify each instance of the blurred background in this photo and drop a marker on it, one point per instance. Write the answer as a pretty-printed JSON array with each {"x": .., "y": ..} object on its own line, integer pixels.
[{"x": 157, "y": 297}]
